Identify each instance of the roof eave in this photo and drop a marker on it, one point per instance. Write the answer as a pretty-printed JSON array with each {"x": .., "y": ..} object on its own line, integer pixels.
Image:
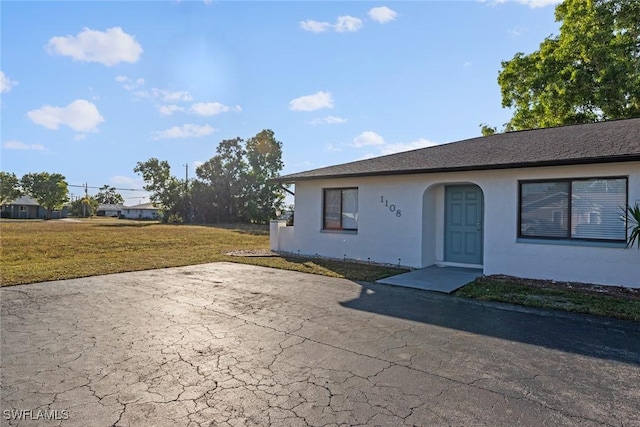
[{"x": 561, "y": 162}]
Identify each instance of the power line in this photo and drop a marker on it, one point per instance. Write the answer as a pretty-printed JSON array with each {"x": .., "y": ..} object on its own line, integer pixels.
[{"x": 98, "y": 188}]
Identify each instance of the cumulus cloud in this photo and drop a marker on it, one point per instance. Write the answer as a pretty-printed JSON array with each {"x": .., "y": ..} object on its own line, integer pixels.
[
  {"x": 315, "y": 26},
  {"x": 312, "y": 102},
  {"x": 108, "y": 47},
  {"x": 211, "y": 108},
  {"x": 80, "y": 115},
  {"x": 167, "y": 110},
  {"x": 382, "y": 14},
  {"x": 6, "y": 83},
  {"x": 19, "y": 145},
  {"x": 531, "y": 3},
  {"x": 184, "y": 131},
  {"x": 328, "y": 120},
  {"x": 367, "y": 138},
  {"x": 343, "y": 24},
  {"x": 347, "y": 24}
]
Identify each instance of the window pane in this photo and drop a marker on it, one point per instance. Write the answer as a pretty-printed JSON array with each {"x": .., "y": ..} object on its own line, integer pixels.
[
  {"x": 544, "y": 210},
  {"x": 350, "y": 209},
  {"x": 596, "y": 209},
  {"x": 332, "y": 208}
]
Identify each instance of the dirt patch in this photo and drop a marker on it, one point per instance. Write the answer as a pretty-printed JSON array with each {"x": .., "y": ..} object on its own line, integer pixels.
[{"x": 617, "y": 291}]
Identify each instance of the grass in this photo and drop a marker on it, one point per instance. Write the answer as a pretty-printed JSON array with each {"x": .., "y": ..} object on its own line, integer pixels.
[
  {"x": 38, "y": 251},
  {"x": 574, "y": 300}
]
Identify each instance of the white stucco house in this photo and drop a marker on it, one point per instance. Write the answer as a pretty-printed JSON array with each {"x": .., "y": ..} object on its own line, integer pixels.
[
  {"x": 543, "y": 204},
  {"x": 141, "y": 211}
]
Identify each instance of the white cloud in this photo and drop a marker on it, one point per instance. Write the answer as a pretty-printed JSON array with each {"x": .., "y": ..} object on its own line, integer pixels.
[
  {"x": 184, "y": 131},
  {"x": 315, "y": 26},
  {"x": 366, "y": 139},
  {"x": 413, "y": 145},
  {"x": 196, "y": 164},
  {"x": 6, "y": 83},
  {"x": 108, "y": 48},
  {"x": 312, "y": 102},
  {"x": 348, "y": 24},
  {"x": 328, "y": 120},
  {"x": 18, "y": 145},
  {"x": 344, "y": 24},
  {"x": 129, "y": 84},
  {"x": 211, "y": 108},
  {"x": 79, "y": 136},
  {"x": 80, "y": 115},
  {"x": 167, "y": 110},
  {"x": 467, "y": 64},
  {"x": 531, "y": 3},
  {"x": 382, "y": 14},
  {"x": 166, "y": 95},
  {"x": 332, "y": 148},
  {"x": 517, "y": 31}
]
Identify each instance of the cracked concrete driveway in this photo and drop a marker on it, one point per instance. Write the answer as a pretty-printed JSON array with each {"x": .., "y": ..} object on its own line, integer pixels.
[{"x": 229, "y": 344}]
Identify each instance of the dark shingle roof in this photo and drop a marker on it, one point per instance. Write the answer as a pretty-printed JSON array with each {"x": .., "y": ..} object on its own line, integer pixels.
[{"x": 604, "y": 142}]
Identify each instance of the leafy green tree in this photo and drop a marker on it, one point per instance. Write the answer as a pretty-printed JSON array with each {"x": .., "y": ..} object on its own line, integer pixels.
[
  {"x": 589, "y": 72},
  {"x": 264, "y": 156},
  {"x": 9, "y": 187},
  {"x": 83, "y": 208},
  {"x": 50, "y": 190},
  {"x": 167, "y": 192},
  {"x": 109, "y": 195},
  {"x": 225, "y": 176}
]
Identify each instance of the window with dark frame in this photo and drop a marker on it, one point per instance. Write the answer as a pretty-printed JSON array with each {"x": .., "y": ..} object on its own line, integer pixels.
[
  {"x": 340, "y": 209},
  {"x": 573, "y": 209}
]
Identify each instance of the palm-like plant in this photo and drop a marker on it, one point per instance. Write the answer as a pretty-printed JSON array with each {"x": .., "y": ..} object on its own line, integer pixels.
[{"x": 633, "y": 224}]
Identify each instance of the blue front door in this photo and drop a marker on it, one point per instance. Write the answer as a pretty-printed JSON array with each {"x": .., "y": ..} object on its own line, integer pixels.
[{"x": 463, "y": 224}]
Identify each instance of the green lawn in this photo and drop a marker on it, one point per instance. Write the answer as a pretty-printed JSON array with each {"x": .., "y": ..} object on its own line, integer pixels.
[{"x": 38, "y": 251}]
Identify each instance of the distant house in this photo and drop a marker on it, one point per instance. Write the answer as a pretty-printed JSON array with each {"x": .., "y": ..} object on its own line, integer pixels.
[
  {"x": 105, "y": 209},
  {"x": 542, "y": 204},
  {"x": 141, "y": 211},
  {"x": 26, "y": 207}
]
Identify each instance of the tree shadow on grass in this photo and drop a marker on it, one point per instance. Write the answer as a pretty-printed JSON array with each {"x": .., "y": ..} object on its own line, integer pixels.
[{"x": 590, "y": 336}]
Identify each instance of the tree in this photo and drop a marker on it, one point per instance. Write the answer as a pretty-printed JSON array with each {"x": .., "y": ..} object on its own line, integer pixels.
[
  {"x": 50, "y": 190},
  {"x": 167, "y": 192},
  {"x": 225, "y": 176},
  {"x": 589, "y": 72},
  {"x": 9, "y": 187},
  {"x": 83, "y": 208},
  {"x": 264, "y": 156},
  {"x": 108, "y": 195}
]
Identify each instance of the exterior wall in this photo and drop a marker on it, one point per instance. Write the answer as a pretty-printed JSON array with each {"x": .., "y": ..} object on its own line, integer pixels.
[
  {"x": 132, "y": 213},
  {"x": 416, "y": 237}
]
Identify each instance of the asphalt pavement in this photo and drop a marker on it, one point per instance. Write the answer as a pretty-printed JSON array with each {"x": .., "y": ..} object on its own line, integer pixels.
[{"x": 226, "y": 344}]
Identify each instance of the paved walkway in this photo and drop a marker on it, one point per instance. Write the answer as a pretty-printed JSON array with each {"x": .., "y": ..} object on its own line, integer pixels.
[
  {"x": 434, "y": 278},
  {"x": 227, "y": 344}
]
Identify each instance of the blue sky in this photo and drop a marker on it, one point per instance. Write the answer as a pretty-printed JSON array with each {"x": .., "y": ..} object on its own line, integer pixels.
[{"x": 91, "y": 88}]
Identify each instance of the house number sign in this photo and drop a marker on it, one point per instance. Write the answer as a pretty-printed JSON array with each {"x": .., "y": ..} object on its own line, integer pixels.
[{"x": 391, "y": 207}]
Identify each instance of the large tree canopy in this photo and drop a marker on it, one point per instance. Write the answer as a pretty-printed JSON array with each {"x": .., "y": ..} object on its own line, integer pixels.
[
  {"x": 9, "y": 187},
  {"x": 108, "y": 195},
  {"x": 166, "y": 190},
  {"x": 589, "y": 72},
  {"x": 49, "y": 189}
]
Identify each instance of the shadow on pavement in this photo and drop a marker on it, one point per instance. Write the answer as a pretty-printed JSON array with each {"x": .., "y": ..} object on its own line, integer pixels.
[{"x": 591, "y": 336}]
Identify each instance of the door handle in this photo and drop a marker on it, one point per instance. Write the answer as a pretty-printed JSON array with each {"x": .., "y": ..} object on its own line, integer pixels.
[{"x": 479, "y": 225}]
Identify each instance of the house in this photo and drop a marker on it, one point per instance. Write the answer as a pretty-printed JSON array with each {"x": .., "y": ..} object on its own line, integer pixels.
[
  {"x": 26, "y": 207},
  {"x": 541, "y": 204},
  {"x": 141, "y": 211},
  {"x": 113, "y": 210}
]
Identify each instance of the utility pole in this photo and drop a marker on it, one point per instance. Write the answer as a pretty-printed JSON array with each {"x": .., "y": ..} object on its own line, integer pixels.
[
  {"x": 187, "y": 207},
  {"x": 84, "y": 202}
]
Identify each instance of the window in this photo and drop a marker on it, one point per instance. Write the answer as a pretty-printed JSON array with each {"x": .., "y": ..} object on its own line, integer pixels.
[
  {"x": 340, "y": 210},
  {"x": 573, "y": 209}
]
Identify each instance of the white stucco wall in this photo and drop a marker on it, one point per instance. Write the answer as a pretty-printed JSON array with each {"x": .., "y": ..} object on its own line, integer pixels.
[{"x": 416, "y": 237}]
